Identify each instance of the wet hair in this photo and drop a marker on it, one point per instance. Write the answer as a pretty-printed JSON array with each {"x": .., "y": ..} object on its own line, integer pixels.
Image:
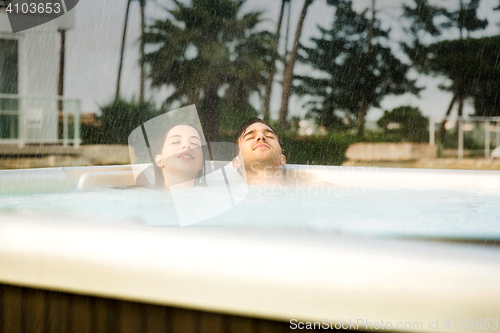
[
  {"x": 200, "y": 177},
  {"x": 243, "y": 128}
]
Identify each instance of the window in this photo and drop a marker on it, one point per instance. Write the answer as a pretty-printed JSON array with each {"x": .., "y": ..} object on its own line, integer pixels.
[{"x": 9, "y": 72}]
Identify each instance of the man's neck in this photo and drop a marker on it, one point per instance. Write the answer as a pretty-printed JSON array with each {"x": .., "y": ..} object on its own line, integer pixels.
[{"x": 265, "y": 175}]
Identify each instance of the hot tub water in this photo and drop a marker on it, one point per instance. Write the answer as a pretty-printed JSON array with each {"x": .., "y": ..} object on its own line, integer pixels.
[{"x": 352, "y": 210}]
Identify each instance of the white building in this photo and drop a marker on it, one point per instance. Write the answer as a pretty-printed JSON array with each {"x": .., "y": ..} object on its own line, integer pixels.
[{"x": 29, "y": 73}]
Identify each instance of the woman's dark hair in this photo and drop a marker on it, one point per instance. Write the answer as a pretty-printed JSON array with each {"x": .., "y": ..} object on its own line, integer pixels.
[{"x": 200, "y": 177}]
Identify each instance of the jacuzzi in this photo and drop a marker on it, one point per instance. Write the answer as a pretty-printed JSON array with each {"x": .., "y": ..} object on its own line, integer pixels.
[{"x": 263, "y": 269}]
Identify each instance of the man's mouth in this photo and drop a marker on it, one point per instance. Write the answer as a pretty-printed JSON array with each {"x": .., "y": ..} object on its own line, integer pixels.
[
  {"x": 261, "y": 145},
  {"x": 185, "y": 156}
]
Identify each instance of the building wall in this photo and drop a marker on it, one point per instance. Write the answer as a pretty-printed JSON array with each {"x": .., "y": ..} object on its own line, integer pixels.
[
  {"x": 39, "y": 55},
  {"x": 38, "y": 64}
]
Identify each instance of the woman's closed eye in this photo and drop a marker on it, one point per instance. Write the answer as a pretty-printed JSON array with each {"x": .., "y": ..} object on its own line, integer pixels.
[{"x": 191, "y": 143}]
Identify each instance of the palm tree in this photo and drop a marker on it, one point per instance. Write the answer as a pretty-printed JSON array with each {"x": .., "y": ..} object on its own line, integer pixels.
[
  {"x": 269, "y": 84},
  {"x": 143, "y": 26},
  {"x": 207, "y": 48},
  {"x": 118, "y": 81},
  {"x": 290, "y": 64},
  {"x": 142, "y": 4}
]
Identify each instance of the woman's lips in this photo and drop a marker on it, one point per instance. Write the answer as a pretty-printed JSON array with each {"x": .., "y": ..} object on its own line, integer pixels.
[{"x": 185, "y": 156}]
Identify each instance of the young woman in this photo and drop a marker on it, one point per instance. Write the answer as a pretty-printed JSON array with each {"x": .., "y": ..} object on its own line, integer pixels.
[{"x": 180, "y": 157}]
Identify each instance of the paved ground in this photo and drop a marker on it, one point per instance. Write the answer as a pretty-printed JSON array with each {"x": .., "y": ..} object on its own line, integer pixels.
[
  {"x": 47, "y": 156},
  {"x": 38, "y": 150},
  {"x": 438, "y": 163}
]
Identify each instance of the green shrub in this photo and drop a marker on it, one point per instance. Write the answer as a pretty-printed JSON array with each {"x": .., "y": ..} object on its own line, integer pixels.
[
  {"x": 413, "y": 126},
  {"x": 320, "y": 150},
  {"x": 231, "y": 118},
  {"x": 118, "y": 119},
  {"x": 90, "y": 134}
]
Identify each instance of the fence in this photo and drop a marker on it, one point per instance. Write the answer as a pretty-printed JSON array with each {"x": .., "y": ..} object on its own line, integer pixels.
[
  {"x": 30, "y": 119},
  {"x": 490, "y": 124}
]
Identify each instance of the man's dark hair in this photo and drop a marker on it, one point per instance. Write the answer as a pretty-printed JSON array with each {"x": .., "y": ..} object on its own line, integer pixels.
[{"x": 244, "y": 127}]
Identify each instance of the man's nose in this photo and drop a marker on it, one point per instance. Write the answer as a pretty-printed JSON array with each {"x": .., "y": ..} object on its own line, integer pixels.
[{"x": 261, "y": 136}]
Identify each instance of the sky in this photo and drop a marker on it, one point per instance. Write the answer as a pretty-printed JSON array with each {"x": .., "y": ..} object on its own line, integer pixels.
[{"x": 93, "y": 50}]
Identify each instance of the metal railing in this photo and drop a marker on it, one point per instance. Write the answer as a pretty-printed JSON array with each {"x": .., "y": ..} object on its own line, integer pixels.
[
  {"x": 490, "y": 124},
  {"x": 34, "y": 119}
]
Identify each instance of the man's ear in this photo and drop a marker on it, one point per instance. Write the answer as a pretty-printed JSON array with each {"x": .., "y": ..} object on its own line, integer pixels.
[
  {"x": 236, "y": 163},
  {"x": 283, "y": 160},
  {"x": 158, "y": 161}
]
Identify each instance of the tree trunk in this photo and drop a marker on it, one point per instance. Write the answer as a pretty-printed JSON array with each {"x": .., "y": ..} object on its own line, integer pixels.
[
  {"x": 363, "y": 108},
  {"x": 211, "y": 114},
  {"x": 288, "y": 73},
  {"x": 62, "y": 52},
  {"x": 442, "y": 129},
  {"x": 361, "y": 118},
  {"x": 287, "y": 35},
  {"x": 460, "y": 105},
  {"x": 121, "y": 52},
  {"x": 141, "y": 88},
  {"x": 460, "y": 20},
  {"x": 460, "y": 111},
  {"x": 269, "y": 84}
]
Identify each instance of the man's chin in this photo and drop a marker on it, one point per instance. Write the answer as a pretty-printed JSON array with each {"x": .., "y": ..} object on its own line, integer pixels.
[
  {"x": 262, "y": 158},
  {"x": 262, "y": 163},
  {"x": 262, "y": 153}
]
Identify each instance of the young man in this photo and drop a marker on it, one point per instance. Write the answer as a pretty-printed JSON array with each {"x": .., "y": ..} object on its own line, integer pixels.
[{"x": 260, "y": 147}]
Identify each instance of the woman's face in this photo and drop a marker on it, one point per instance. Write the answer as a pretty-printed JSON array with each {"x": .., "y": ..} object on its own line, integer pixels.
[{"x": 182, "y": 154}]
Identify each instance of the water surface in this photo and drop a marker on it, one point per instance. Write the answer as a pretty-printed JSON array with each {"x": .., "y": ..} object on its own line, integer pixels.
[{"x": 362, "y": 211}]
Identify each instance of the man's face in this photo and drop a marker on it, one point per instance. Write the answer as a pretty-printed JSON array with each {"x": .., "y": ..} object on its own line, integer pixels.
[{"x": 259, "y": 146}]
